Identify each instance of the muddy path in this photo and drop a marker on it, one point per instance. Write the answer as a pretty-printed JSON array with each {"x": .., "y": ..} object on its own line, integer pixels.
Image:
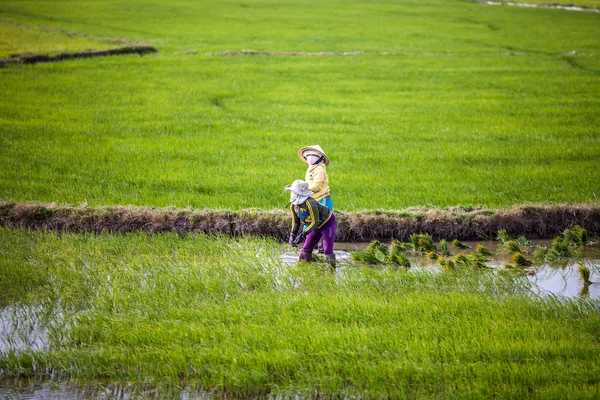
[{"x": 533, "y": 221}]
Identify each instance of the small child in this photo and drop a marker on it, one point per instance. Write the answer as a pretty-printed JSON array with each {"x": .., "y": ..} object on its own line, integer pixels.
[
  {"x": 317, "y": 220},
  {"x": 316, "y": 173}
]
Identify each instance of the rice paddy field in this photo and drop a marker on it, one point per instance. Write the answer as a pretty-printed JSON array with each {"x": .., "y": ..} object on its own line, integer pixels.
[
  {"x": 430, "y": 103},
  {"x": 225, "y": 316},
  {"x": 448, "y": 102}
]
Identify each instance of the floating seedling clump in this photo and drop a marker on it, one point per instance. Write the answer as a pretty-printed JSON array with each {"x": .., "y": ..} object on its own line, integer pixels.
[
  {"x": 484, "y": 251},
  {"x": 400, "y": 245},
  {"x": 513, "y": 246},
  {"x": 541, "y": 253},
  {"x": 368, "y": 256},
  {"x": 562, "y": 245},
  {"x": 460, "y": 245},
  {"x": 522, "y": 241},
  {"x": 560, "y": 249},
  {"x": 378, "y": 254},
  {"x": 502, "y": 236},
  {"x": 398, "y": 258},
  {"x": 584, "y": 273},
  {"x": 422, "y": 242},
  {"x": 444, "y": 247},
  {"x": 473, "y": 261},
  {"x": 576, "y": 236},
  {"x": 520, "y": 260},
  {"x": 377, "y": 246}
]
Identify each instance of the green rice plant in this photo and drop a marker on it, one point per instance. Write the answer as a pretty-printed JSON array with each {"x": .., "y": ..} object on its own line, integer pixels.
[
  {"x": 541, "y": 253},
  {"x": 584, "y": 273},
  {"x": 502, "y": 236},
  {"x": 398, "y": 257},
  {"x": 376, "y": 246},
  {"x": 520, "y": 260},
  {"x": 560, "y": 250},
  {"x": 366, "y": 256},
  {"x": 484, "y": 251},
  {"x": 318, "y": 258},
  {"x": 511, "y": 269},
  {"x": 432, "y": 255},
  {"x": 513, "y": 246},
  {"x": 460, "y": 245},
  {"x": 376, "y": 253},
  {"x": 447, "y": 263},
  {"x": 444, "y": 248},
  {"x": 522, "y": 241},
  {"x": 469, "y": 262},
  {"x": 422, "y": 242},
  {"x": 576, "y": 236},
  {"x": 222, "y": 313},
  {"x": 204, "y": 122},
  {"x": 395, "y": 243}
]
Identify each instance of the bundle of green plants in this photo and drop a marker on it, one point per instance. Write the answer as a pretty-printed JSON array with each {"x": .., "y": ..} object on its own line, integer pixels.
[
  {"x": 432, "y": 255},
  {"x": 377, "y": 246},
  {"x": 520, "y": 260},
  {"x": 398, "y": 257},
  {"x": 444, "y": 248},
  {"x": 368, "y": 256},
  {"x": 560, "y": 250},
  {"x": 376, "y": 253},
  {"x": 422, "y": 242},
  {"x": 502, "y": 236},
  {"x": 541, "y": 253},
  {"x": 522, "y": 241},
  {"x": 576, "y": 236},
  {"x": 473, "y": 261},
  {"x": 460, "y": 245},
  {"x": 584, "y": 273},
  {"x": 400, "y": 245},
  {"x": 512, "y": 246},
  {"x": 484, "y": 251}
]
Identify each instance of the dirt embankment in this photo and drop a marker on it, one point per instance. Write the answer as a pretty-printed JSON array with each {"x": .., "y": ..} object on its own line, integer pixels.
[
  {"x": 533, "y": 221},
  {"x": 36, "y": 58}
]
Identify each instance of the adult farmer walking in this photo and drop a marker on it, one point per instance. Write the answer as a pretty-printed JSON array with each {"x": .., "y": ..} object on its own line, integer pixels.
[
  {"x": 316, "y": 176},
  {"x": 316, "y": 173},
  {"x": 311, "y": 221}
]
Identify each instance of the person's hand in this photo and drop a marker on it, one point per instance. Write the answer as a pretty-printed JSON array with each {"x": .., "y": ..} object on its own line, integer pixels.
[
  {"x": 300, "y": 238},
  {"x": 292, "y": 240}
]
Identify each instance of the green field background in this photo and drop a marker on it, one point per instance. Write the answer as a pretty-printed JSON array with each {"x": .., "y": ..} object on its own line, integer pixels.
[{"x": 448, "y": 103}]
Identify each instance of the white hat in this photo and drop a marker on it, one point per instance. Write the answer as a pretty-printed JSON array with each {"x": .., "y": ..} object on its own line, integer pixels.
[
  {"x": 316, "y": 149},
  {"x": 299, "y": 187}
]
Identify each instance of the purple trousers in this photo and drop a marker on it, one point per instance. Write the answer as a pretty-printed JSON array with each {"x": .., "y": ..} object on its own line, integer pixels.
[{"x": 327, "y": 232}]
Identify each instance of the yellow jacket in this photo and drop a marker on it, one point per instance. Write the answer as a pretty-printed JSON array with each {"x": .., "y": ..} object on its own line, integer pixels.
[{"x": 318, "y": 182}]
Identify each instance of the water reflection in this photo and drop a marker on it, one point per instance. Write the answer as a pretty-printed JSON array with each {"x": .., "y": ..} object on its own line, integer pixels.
[{"x": 86, "y": 391}]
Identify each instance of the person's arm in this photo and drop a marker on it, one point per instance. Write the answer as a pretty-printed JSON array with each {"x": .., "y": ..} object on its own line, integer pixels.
[
  {"x": 313, "y": 211},
  {"x": 318, "y": 179},
  {"x": 295, "y": 222}
]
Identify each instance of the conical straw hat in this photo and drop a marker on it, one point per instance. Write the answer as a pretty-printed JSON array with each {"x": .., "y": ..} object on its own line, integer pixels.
[{"x": 314, "y": 148}]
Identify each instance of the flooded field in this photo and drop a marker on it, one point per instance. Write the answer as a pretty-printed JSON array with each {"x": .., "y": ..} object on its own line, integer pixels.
[
  {"x": 546, "y": 279},
  {"x": 137, "y": 316}
]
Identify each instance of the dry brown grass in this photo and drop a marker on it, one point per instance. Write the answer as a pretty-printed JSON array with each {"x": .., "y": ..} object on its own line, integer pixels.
[{"x": 533, "y": 221}]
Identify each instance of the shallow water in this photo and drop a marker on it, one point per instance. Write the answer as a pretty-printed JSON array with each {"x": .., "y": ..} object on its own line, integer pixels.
[
  {"x": 559, "y": 279},
  {"x": 49, "y": 390}
]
